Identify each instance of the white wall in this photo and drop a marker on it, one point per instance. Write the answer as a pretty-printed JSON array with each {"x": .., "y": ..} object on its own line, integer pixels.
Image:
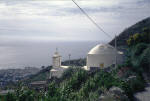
[
  {"x": 56, "y": 62},
  {"x": 94, "y": 60}
]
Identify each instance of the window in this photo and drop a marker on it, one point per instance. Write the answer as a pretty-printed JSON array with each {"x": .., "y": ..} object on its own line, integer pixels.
[{"x": 102, "y": 65}]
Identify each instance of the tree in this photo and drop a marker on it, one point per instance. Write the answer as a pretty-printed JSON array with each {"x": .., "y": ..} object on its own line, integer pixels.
[{"x": 10, "y": 97}]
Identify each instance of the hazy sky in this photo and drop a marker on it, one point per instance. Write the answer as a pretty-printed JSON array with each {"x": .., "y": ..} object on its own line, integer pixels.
[
  {"x": 28, "y": 28},
  {"x": 62, "y": 20}
]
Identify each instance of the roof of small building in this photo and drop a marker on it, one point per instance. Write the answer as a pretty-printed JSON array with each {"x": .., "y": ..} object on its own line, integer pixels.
[
  {"x": 38, "y": 82},
  {"x": 65, "y": 67},
  {"x": 56, "y": 69},
  {"x": 102, "y": 49},
  {"x": 53, "y": 70}
]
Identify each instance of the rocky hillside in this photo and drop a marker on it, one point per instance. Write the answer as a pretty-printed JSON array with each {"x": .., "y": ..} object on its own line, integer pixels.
[{"x": 136, "y": 28}]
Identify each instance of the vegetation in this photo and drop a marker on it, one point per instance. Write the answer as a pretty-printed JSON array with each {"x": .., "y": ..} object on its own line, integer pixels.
[
  {"x": 136, "y": 28},
  {"x": 139, "y": 51},
  {"x": 75, "y": 62},
  {"x": 80, "y": 86},
  {"x": 40, "y": 76}
]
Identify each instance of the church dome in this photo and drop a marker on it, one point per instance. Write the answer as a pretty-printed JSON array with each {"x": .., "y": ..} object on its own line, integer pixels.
[
  {"x": 103, "y": 56},
  {"x": 102, "y": 49}
]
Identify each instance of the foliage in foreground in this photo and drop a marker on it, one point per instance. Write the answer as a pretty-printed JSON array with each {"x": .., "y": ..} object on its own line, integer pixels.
[{"x": 80, "y": 86}]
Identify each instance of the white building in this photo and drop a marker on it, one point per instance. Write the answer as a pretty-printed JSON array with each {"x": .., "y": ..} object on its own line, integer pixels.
[
  {"x": 103, "y": 56},
  {"x": 57, "y": 69},
  {"x": 56, "y": 60}
]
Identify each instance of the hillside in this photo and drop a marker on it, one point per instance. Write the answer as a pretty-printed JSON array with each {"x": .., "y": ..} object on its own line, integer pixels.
[
  {"x": 136, "y": 28},
  {"x": 40, "y": 76},
  {"x": 44, "y": 73}
]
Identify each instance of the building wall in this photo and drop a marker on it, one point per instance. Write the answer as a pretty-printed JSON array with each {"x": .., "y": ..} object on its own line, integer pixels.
[
  {"x": 102, "y": 60},
  {"x": 57, "y": 74},
  {"x": 56, "y": 62}
]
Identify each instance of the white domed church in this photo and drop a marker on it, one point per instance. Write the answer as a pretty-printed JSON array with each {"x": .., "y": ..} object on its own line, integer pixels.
[
  {"x": 103, "y": 56},
  {"x": 100, "y": 57}
]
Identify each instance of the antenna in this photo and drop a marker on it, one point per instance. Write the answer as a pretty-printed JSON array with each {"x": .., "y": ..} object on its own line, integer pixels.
[
  {"x": 116, "y": 51},
  {"x": 69, "y": 59}
]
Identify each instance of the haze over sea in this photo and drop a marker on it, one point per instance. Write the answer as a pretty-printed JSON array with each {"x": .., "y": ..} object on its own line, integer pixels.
[{"x": 37, "y": 54}]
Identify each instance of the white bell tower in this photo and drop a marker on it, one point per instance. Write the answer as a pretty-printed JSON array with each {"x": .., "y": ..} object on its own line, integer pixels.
[{"x": 56, "y": 59}]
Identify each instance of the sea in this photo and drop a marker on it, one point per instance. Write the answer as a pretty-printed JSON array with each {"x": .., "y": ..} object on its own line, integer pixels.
[{"x": 36, "y": 54}]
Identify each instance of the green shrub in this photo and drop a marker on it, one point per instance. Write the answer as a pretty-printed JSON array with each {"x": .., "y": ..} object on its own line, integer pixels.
[{"x": 10, "y": 97}]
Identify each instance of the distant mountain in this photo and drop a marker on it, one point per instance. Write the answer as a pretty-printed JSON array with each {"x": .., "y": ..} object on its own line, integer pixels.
[
  {"x": 42, "y": 75},
  {"x": 136, "y": 28}
]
